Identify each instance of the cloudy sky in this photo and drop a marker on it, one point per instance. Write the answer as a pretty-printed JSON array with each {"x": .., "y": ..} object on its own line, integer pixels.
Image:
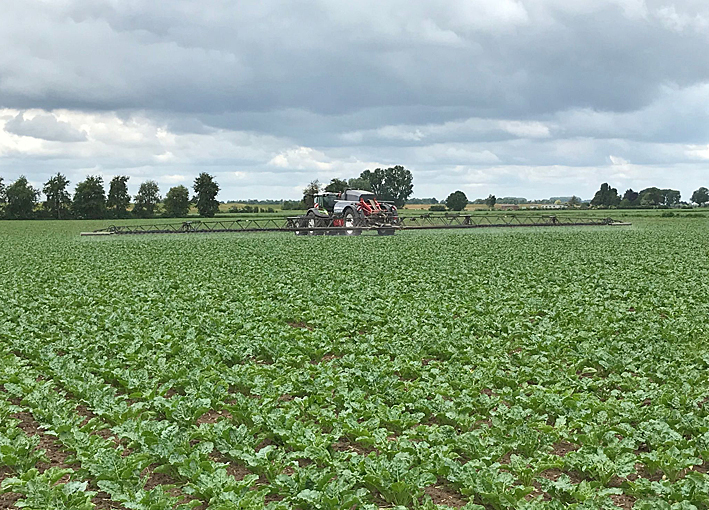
[{"x": 529, "y": 98}]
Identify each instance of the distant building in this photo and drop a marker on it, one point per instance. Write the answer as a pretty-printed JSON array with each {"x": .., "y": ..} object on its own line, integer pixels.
[{"x": 509, "y": 207}]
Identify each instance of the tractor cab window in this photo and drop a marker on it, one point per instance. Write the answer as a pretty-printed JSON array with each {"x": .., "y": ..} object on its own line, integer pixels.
[{"x": 326, "y": 202}]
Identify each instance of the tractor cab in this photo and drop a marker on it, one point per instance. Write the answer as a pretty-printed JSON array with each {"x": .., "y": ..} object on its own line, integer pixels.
[{"x": 325, "y": 201}]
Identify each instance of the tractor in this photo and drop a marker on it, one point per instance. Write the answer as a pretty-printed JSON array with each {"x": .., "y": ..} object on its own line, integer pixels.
[{"x": 348, "y": 213}]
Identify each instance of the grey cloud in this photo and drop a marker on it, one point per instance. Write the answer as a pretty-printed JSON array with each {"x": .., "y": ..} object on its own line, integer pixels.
[
  {"x": 518, "y": 59},
  {"x": 45, "y": 127}
]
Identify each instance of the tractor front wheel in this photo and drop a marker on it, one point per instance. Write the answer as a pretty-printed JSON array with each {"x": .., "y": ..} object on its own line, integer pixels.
[{"x": 313, "y": 222}]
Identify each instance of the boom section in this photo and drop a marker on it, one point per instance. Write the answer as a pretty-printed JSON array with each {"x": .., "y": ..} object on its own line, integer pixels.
[{"x": 304, "y": 225}]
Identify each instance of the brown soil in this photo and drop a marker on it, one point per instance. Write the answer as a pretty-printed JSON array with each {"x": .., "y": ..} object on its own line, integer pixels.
[
  {"x": 53, "y": 451},
  {"x": 8, "y": 500},
  {"x": 563, "y": 447},
  {"x": 104, "y": 502},
  {"x": 237, "y": 471},
  {"x": 443, "y": 495},
  {"x": 165, "y": 479},
  {"x": 85, "y": 412},
  {"x": 325, "y": 359},
  {"x": 623, "y": 500},
  {"x": 301, "y": 325},
  {"x": 213, "y": 416},
  {"x": 642, "y": 472},
  {"x": 263, "y": 444},
  {"x": 488, "y": 392},
  {"x": 554, "y": 474},
  {"x": 304, "y": 462},
  {"x": 155, "y": 479},
  {"x": 286, "y": 398},
  {"x": 344, "y": 445}
]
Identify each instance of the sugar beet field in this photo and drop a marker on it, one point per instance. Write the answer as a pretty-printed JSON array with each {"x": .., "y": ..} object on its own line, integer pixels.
[{"x": 497, "y": 369}]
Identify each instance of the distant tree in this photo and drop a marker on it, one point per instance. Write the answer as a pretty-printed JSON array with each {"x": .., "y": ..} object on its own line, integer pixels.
[
  {"x": 336, "y": 186},
  {"x": 21, "y": 199},
  {"x": 147, "y": 199},
  {"x": 359, "y": 183},
  {"x": 670, "y": 197},
  {"x": 313, "y": 188},
  {"x": 118, "y": 197},
  {"x": 393, "y": 184},
  {"x": 456, "y": 201},
  {"x": 58, "y": 202},
  {"x": 206, "y": 190},
  {"x": 90, "y": 198},
  {"x": 2, "y": 195},
  {"x": 574, "y": 201},
  {"x": 650, "y": 197},
  {"x": 177, "y": 202},
  {"x": 631, "y": 196},
  {"x": 292, "y": 205},
  {"x": 606, "y": 197},
  {"x": 490, "y": 201},
  {"x": 699, "y": 197}
]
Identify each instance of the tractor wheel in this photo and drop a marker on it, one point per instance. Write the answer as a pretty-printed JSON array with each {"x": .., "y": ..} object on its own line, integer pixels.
[
  {"x": 351, "y": 221},
  {"x": 314, "y": 221},
  {"x": 301, "y": 223}
]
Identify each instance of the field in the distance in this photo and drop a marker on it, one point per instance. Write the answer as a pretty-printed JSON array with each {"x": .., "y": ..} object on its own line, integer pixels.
[{"x": 529, "y": 368}]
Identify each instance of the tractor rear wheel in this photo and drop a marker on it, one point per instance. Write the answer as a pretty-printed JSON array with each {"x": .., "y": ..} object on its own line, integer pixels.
[{"x": 351, "y": 221}]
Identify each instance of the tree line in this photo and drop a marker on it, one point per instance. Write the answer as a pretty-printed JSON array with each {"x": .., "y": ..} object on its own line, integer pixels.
[
  {"x": 20, "y": 200},
  {"x": 652, "y": 197}
]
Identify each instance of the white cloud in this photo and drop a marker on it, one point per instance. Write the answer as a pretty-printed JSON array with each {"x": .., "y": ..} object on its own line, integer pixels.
[
  {"x": 617, "y": 160},
  {"x": 301, "y": 158}
]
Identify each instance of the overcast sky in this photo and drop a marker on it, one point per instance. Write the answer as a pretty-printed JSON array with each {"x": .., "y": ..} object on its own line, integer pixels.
[{"x": 512, "y": 97}]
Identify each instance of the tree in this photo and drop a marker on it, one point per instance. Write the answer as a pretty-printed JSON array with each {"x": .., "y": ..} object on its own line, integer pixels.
[
  {"x": 177, "y": 202},
  {"x": 699, "y": 197},
  {"x": 118, "y": 197},
  {"x": 631, "y": 196},
  {"x": 90, "y": 198},
  {"x": 670, "y": 197},
  {"x": 206, "y": 190},
  {"x": 606, "y": 197},
  {"x": 456, "y": 201},
  {"x": 650, "y": 197},
  {"x": 359, "y": 183},
  {"x": 58, "y": 201},
  {"x": 2, "y": 195},
  {"x": 21, "y": 199},
  {"x": 393, "y": 184},
  {"x": 490, "y": 201},
  {"x": 574, "y": 201},
  {"x": 336, "y": 186},
  {"x": 313, "y": 188},
  {"x": 147, "y": 199}
]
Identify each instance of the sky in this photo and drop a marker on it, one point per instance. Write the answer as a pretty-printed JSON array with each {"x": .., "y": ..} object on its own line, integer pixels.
[{"x": 531, "y": 98}]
